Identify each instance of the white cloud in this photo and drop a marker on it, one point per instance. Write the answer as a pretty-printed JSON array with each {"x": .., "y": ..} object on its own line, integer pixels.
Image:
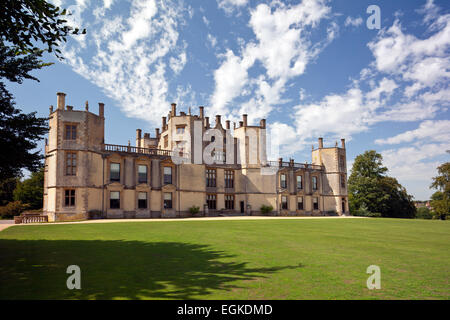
[
  {"x": 414, "y": 163},
  {"x": 355, "y": 22},
  {"x": 282, "y": 46},
  {"x": 128, "y": 58},
  {"x": 430, "y": 130},
  {"x": 212, "y": 40},
  {"x": 230, "y": 5}
]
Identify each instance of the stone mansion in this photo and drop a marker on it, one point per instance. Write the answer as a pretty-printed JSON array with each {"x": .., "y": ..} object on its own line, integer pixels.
[{"x": 187, "y": 163}]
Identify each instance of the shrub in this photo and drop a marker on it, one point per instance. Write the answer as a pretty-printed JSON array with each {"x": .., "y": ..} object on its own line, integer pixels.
[
  {"x": 424, "y": 213},
  {"x": 363, "y": 211},
  {"x": 194, "y": 210},
  {"x": 266, "y": 209},
  {"x": 95, "y": 214},
  {"x": 12, "y": 209}
]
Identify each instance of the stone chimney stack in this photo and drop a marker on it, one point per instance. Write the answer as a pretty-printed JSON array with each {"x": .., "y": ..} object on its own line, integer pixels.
[
  {"x": 227, "y": 124},
  {"x": 218, "y": 120},
  {"x": 157, "y": 133},
  {"x": 343, "y": 143},
  {"x": 241, "y": 123},
  {"x": 163, "y": 123},
  {"x": 174, "y": 110},
  {"x": 207, "y": 122},
  {"x": 262, "y": 123},
  {"x": 101, "y": 109},
  {"x": 61, "y": 100},
  {"x": 51, "y": 109},
  {"x": 86, "y": 106},
  {"x": 201, "y": 112},
  {"x": 244, "y": 117},
  {"x": 138, "y": 134},
  {"x": 320, "y": 143},
  {"x": 69, "y": 108}
]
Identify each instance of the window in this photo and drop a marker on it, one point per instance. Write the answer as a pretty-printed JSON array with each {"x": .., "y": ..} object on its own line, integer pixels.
[
  {"x": 210, "y": 177},
  {"x": 342, "y": 163},
  {"x": 229, "y": 202},
  {"x": 114, "y": 200},
  {"x": 142, "y": 174},
  {"x": 211, "y": 201},
  {"x": 283, "y": 181},
  {"x": 114, "y": 174},
  {"x": 71, "y": 163},
  {"x": 167, "y": 200},
  {"x": 142, "y": 200},
  {"x": 180, "y": 129},
  {"x": 166, "y": 141},
  {"x": 167, "y": 175},
  {"x": 284, "y": 203},
  {"x": 342, "y": 181},
  {"x": 71, "y": 132},
  {"x": 229, "y": 179},
  {"x": 299, "y": 182},
  {"x": 300, "y": 203},
  {"x": 69, "y": 198},
  {"x": 314, "y": 183},
  {"x": 316, "y": 203}
]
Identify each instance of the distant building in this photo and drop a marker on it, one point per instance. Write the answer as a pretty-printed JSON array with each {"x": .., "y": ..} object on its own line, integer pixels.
[{"x": 166, "y": 175}]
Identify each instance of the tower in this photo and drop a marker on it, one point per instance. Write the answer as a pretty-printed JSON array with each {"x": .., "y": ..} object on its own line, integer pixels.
[
  {"x": 334, "y": 178},
  {"x": 73, "y": 163}
]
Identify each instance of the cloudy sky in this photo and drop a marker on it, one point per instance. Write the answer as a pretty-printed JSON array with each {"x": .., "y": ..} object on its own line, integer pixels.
[{"x": 312, "y": 68}]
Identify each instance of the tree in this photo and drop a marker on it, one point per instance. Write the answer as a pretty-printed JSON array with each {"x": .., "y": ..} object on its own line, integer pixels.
[
  {"x": 7, "y": 187},
  {"x": 19, "y": 132},
  {"x": 24, "y": 25},
  {"x": 31, "y": 190},
  {"x": 372, "y": 193},
  {"x": 440, "y": 200},
  {"x": 423, "y": 213}
]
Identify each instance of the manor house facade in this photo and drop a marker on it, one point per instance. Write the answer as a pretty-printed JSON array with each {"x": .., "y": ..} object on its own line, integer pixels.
[{"x": 187, "y": 163}]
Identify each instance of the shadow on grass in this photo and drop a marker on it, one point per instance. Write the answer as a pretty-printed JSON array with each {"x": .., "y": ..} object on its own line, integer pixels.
[{"x": 36, "y": 269}]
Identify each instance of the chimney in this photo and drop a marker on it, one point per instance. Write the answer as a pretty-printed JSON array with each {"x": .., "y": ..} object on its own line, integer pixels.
[
  {"x": 241, "y": 123},
  {"x": 201, "y": 112},
  {"x": 343, "y": 143},
  {"x": 218, "y": 120},
  {"x": 280, "y": 162},
  {"x": 101, "y": 109},
  {"x": 163, "y": 124},
  {"x": 61, "y": 100},
  {"x": 320, "y": 143},
  {"x": 138, "y": 134},
  {"x": 157, "y": 133},
  {"x": 51, "y": 109},
  {"x": 207, "y": 122},
  {"x": 262, "y": 123},
  {"x": 291, "y": 162},
  {"x": 227, "y": 125},
  {"x": 244, "y": 117},
  {"x": 174, "y": 110},
  {"x": 70, "y": 108},
  {"x": 146, "y": 135},
  {"x": 86, "y": 105}
]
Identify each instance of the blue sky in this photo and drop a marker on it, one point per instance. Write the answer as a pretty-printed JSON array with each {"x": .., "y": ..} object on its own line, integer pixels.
[{"x": 312, "y": 68}]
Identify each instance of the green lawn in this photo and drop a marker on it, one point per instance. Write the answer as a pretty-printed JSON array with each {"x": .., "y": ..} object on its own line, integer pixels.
[{"x": 246, "y": 259}]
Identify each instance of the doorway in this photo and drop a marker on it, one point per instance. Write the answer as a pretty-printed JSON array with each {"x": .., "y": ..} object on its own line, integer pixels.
[{"x": 242, "y": 206}]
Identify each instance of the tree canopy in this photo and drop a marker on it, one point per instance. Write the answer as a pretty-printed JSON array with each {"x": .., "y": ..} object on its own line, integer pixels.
[
  {"x": 27, "y": 23},
  {"x": 31, "y": 190},
  {"x": 440, "y": 200},
  {"x": 373, "y": 193},
  {"x": 28, "y": 28}
]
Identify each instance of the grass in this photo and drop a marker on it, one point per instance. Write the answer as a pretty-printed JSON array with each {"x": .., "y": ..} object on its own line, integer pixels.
[{"x": 245, "y": 259}]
